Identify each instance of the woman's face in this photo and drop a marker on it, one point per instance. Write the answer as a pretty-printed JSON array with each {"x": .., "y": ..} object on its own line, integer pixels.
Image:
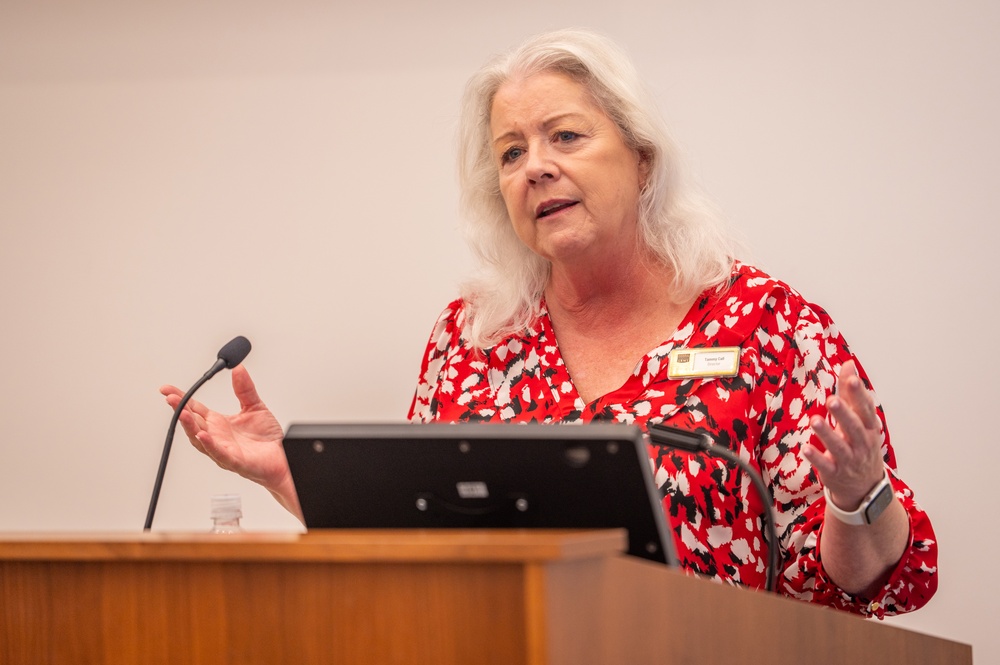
[{"x": 570, "y": 183}]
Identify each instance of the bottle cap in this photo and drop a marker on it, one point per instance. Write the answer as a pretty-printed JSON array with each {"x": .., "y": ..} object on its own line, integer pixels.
[{"x": 227, "y": 507}]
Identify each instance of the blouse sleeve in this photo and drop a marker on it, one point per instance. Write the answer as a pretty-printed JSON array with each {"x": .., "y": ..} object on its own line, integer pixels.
[{"x": 807, "y": 378}]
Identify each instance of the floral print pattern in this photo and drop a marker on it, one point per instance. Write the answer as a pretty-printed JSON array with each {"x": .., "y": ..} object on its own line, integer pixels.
[{"x": 790, "y": 355}]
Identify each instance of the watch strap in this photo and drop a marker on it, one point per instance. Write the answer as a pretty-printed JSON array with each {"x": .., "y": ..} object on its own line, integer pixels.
[{"x": 871, "y": 507}]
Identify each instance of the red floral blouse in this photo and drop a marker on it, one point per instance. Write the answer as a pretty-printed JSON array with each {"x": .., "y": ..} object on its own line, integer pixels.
[{"x": 790, "y": 356}]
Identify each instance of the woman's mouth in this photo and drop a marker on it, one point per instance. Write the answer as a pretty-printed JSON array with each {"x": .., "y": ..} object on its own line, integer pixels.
[{"x": 552, "y": 207}]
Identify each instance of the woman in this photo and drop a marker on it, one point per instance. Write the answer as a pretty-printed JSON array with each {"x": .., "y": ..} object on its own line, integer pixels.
[{"x": 588, "y": 236}]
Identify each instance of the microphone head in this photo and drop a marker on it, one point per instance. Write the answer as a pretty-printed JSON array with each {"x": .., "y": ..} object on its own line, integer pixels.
[{"x": 234, "y": 351}]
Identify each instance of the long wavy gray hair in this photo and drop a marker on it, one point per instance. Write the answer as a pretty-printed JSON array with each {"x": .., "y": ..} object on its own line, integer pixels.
[{"x": 677, "y": 223}]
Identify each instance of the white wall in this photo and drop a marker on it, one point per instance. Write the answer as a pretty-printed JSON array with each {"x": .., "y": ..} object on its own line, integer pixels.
[{"x": 176, "y": 175}]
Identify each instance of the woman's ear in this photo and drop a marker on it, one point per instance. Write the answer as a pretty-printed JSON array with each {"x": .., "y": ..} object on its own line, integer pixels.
[{"x": 645, "y": 168}]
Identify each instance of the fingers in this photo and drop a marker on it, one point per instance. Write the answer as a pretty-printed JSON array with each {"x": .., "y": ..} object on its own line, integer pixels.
[
  {"x": 167, "y": 390},
  {"x": 200, "y": 435},
  {"x": 193, "y": 419},
  {"x": 850, "y": 436},
  {"x": 175, "y": 395},
  {"x": 824, "y": 463},
  {"x": 852, "y": 461},
  {"x": 852, "y": 389},
  {"x": 193, "y": 428},
  {"x": 244, "y": 389},
  {"x": 858, "y": 426}
]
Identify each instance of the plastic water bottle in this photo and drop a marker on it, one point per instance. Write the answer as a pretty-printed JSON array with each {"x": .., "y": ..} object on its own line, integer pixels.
[{"x": 227, "y": 509}]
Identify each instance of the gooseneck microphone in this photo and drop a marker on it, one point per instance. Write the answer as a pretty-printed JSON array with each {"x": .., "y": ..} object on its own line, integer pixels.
[
  {"x": 695, "y": 442},
  {"x": 231, "y": 355}
]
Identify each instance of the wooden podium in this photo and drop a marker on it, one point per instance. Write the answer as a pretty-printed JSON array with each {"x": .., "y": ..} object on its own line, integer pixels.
[{"x": 429, "y": 597}]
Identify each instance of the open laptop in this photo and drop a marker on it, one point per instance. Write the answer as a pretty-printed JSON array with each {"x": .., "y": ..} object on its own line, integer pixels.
[{"x": 470, "y": 475}]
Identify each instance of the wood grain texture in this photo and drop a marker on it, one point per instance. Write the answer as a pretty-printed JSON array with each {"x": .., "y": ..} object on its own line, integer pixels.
[{"x": 262, "y": 612}]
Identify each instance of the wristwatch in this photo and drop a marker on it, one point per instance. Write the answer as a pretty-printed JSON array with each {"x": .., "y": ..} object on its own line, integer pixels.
[{"x": 872, "y": 506}]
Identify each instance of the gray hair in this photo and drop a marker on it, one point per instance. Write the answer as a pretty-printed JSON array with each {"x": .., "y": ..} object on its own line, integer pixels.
[{"x": 678, "y": 225}]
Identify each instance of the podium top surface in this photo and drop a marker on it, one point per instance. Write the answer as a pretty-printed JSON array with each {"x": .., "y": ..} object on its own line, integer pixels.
[{"x": 401, "y": 545}]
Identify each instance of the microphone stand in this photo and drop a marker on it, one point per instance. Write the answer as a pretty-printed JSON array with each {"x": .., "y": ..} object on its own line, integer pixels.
[
  {"x": 230, "y": 355},
  {"x": 216, "y": 368}
]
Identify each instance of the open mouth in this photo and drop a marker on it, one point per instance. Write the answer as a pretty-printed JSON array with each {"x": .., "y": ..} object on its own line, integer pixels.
[{"x": 554, "y": 207}]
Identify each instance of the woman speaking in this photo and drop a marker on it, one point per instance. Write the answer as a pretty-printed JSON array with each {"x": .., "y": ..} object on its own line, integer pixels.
[{"x": 610, "y": 291}]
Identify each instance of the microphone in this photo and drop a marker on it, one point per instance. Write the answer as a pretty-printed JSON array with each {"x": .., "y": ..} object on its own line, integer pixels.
[
  {"x": 230, "y": 355},
  {"x": 695, "y": 442}
]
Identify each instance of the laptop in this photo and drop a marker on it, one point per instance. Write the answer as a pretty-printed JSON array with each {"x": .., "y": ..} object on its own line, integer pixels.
[{"x": 474, "y": 475}]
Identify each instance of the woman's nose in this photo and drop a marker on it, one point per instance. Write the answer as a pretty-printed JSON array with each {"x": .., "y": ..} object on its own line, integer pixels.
[{"x": 541, "y": 164}]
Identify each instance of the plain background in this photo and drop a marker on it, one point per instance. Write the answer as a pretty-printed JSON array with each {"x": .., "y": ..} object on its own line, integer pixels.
[{"x": 177, "y": 174}]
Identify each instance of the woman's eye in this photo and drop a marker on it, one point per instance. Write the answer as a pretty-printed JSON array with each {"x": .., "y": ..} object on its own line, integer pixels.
[
  {"x": 510, "y": 155},
  {"x": 566, "y": 136}
]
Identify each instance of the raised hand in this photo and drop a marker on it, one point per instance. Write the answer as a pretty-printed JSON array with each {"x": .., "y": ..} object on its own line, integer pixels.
[
  {"x": 860, "y": 558},
  {"x": 248, "y": 443},
  {"x": 852, "y": 463}
]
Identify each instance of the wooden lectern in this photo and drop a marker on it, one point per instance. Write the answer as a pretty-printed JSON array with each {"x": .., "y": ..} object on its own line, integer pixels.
[{"x": 428, "y": 597}]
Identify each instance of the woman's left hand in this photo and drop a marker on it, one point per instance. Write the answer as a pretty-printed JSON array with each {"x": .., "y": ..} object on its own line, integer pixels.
[
  {"x": 852, "y": 463},
  {"x": 858, "y": 558}
]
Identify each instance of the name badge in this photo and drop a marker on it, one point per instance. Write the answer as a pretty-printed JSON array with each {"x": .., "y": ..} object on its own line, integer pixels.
[{"x": 704, "y": 362}]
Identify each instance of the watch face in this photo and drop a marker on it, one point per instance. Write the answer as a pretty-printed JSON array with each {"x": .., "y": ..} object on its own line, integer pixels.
[{"x": 878, "y": 504}]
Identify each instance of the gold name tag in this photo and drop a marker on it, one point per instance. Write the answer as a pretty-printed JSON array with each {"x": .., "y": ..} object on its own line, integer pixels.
[{"x": 703, "y": 362}]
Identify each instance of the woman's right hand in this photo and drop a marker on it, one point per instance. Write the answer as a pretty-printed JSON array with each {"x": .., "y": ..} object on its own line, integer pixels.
[{"x": 249, "y": 442}]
